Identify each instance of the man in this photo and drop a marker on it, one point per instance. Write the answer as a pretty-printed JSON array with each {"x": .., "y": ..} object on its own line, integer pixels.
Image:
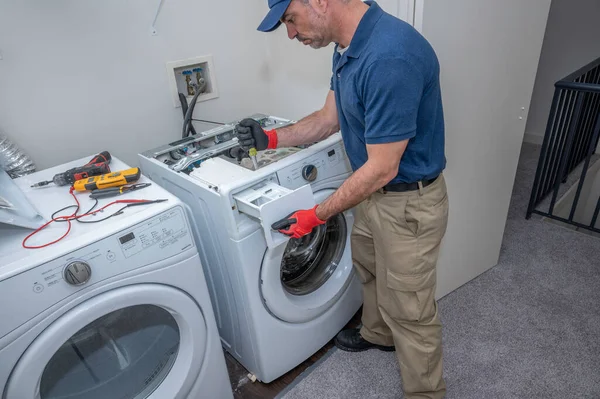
[{"x": 385, "y": 98}]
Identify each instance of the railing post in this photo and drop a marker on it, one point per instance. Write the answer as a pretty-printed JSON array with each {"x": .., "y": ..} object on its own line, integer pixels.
[
  {"x": 533, "y": 199},
  {"x": 585, "y": 168},
  {"x": 597, "y": 210},
  {"x": 567, "y": 151},
  {"x": 571, "y": 138}
]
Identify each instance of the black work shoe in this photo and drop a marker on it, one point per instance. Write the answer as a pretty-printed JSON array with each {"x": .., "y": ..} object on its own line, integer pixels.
[{"x": 351, "y": 341}]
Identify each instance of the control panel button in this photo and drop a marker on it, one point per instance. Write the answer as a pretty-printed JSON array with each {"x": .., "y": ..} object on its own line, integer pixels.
[
  {"x": 309, "y": 173},
  {"x": 38, "y": 288},
  {"x": 77, "y": 273}
]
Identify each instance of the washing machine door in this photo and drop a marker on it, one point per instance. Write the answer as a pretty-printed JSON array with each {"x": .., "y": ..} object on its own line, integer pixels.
[
  {"x": 302, "y": 278},
  {"x": 142, "y": 341}
]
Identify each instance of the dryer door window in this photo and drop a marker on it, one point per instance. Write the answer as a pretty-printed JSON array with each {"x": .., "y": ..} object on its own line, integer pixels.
[
  {"x": 125, "y": 354},
  {"x": 136, "y": 342}
]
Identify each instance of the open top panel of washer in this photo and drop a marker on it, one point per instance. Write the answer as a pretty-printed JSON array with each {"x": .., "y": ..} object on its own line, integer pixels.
[{"x": 190, "y": 152}]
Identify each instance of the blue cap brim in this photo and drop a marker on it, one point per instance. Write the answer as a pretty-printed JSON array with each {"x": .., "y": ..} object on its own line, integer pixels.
[{"x": 273, "y": 18}]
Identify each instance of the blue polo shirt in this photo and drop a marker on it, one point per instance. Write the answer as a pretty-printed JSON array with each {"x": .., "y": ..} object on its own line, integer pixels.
[{"x": 387, "y": 89}]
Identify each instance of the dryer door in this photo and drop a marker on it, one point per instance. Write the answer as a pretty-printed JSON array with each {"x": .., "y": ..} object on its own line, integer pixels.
[
  {"x": 142, "y": 341},
  {"x": 302, "y": 278}
]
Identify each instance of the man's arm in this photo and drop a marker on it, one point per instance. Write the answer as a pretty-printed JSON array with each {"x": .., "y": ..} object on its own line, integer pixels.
[
  {"x": 317, "y": 126},
  {"x": 379, "y": 170},
  {"x": 392, "y": 96},
  {"x": 392, "y": 99}
]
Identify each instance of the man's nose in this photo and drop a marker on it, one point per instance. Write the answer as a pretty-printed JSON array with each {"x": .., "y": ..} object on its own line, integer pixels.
[{"x": 292, "y": 33}]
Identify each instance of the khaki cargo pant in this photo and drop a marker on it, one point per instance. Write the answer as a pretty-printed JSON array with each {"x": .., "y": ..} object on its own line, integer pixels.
[{"x": 395, "y": 245}]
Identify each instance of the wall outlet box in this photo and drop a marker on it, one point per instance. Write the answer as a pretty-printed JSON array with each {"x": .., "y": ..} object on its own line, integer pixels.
[{"x": 186, "y": 75}]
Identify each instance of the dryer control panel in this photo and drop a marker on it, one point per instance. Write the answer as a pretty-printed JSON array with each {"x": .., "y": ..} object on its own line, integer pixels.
[
  {"x": 328, "y": 163},
  {"x": 154, "y": 240}
]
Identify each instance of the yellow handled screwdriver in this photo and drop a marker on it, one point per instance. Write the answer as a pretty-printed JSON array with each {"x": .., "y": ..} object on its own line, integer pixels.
[{"x": 252, "y": 154}]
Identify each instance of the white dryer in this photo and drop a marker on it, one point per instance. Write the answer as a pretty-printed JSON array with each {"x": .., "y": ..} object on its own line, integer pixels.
[
  {"x": 117, "y": 309},
  {"x": 277, "y": 300}
]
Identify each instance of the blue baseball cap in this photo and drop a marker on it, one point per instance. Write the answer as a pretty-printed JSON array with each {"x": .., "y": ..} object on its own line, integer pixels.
[{"x": 273, "y": 18}]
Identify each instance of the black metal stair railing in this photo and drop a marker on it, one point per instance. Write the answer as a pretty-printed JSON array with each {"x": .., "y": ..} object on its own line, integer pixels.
[{"x": 571, "y": 138}]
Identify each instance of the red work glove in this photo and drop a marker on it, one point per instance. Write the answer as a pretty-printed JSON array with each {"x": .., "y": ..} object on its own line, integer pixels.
[{"x": 299, "y": 223}]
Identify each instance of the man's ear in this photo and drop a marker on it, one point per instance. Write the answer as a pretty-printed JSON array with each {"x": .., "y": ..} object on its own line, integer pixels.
[{"x": 320, "y": 6}]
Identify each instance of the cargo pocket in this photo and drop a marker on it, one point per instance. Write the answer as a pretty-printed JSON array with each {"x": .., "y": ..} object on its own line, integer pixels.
[{"x": 408, "y": 295}]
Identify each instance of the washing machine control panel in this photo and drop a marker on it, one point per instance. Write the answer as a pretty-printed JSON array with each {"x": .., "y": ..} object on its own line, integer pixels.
[
  {"x": 152, "y": 241},
  {"x": 328, "y": 163}
]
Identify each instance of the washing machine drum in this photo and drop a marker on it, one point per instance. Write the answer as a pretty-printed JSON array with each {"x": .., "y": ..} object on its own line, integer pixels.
[{"x": 304, "y": 277}]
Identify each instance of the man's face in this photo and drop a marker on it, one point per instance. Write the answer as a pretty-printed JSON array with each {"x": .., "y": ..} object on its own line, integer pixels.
[{"x": 306, "y": 25}]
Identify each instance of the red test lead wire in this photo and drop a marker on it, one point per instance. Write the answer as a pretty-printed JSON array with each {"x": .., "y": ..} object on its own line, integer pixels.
[{"x": 74, "y": 216}]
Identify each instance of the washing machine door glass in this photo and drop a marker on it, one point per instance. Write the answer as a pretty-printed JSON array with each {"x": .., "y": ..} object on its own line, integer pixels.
[
  {"x": 309, "y": 261},
  {"x": 125, "y": 354},
  {"x": 135, "y": 342}
]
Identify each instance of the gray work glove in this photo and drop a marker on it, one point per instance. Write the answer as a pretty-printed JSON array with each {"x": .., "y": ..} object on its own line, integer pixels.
[
  {"x": 237, "y": 153},
  {"x": 251, "y": 134}
]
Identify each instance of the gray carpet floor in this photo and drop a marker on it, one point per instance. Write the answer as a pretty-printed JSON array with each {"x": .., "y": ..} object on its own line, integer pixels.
[{"x": 527, "y": 328}]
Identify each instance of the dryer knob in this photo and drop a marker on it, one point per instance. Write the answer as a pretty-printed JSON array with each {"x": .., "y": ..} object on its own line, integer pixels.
[
  {"x": 77, "y": 273},
  {"x": 309, "y": 173}
]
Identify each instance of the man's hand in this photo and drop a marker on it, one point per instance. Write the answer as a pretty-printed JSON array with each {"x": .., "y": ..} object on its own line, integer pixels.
[
  {"x": 299, "y": 223},
  {"x": 251, "y": 135}
]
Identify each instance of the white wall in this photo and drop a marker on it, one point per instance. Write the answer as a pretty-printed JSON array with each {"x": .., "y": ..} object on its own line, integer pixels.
[
  {"x": 571, "y": 42},
  {"x": 489, "y": 52},
  {"x": 78, "y": 77},
  {"x": 298, "y": 76}
]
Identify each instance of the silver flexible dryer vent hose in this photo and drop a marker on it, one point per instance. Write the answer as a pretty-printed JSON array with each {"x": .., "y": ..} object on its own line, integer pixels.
[{"x": 13, "y": 160}]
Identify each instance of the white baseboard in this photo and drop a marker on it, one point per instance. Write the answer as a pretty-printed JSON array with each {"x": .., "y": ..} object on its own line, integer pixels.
[{"x": 533, "y": 138}]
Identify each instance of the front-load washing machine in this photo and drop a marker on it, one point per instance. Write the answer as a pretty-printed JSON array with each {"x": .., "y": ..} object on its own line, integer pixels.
[
  {"x": 115, "y": 310},
  {"x": 277, "y": 300}
]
